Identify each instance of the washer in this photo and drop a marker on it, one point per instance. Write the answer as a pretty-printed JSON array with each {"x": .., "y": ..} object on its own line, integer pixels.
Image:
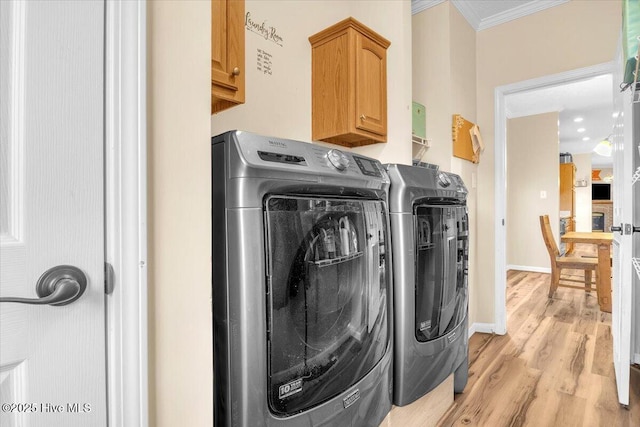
[
  {"x": 429, "y": 225},
  {"x": 301, "y": 284}
]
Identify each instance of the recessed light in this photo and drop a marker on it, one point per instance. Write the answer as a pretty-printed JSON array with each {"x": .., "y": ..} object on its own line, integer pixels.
[
  {"x": 581, "y": 130},
  {"x": 615, "y": 115},
  {"x": 586, "y": 138},
  {"x": 578, "y": 119}
]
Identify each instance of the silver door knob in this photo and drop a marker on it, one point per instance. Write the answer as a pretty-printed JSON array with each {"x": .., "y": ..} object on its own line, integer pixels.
[
  {"x": 59, "y": 285},
  {"x": 618, "y": 229}
]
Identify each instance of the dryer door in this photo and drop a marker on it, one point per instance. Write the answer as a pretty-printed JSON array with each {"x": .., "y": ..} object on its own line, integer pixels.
[
  {"x": 327, "y": 297},
  {"x": 441, "y": 269}
]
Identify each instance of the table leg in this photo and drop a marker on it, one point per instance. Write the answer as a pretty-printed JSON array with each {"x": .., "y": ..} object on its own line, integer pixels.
[{"x": 604, "y": 276}]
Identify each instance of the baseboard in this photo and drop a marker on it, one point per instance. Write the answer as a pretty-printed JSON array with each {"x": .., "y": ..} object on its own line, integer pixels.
[
  {"x": 529, "y": 268},
  {"x": 483, "y": 328}
]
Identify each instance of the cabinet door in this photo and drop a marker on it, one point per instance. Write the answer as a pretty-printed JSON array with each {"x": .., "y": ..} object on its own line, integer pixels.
[
  {"x": 566, "y": 187},
  {"x": 371, "y": 86},
  {"x": 227, "y": 53}
]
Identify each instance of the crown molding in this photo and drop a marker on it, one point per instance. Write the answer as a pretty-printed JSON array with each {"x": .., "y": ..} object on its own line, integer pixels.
[
  {"x": 420, "y": 5},
  {"x": 469, "y": 13},
  {"x": 528, "y": 8},
  {"x": 479, "y": 24}
]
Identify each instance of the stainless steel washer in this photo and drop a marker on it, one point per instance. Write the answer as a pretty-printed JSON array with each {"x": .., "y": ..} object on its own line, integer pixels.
[{"x": 301, "y": 284}]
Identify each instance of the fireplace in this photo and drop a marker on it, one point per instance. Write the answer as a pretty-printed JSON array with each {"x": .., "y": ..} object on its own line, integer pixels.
[
  {"x": 603, "y": 209},
  {"x": 597, "y": 221}
]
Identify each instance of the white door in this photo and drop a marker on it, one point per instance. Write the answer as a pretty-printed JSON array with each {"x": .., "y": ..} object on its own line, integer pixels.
[
  {"x": 627, "y": 125},
  {"x": 52, "y": 358}
]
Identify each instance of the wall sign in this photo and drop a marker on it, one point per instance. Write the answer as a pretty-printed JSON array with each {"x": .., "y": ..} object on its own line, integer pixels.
[{"x": 261, "y": 28}]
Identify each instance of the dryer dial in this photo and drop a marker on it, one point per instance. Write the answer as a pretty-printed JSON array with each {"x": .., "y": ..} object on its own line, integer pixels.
[
  {"x": 338, "y": 159},
  {"x": 443, "y": 179}
]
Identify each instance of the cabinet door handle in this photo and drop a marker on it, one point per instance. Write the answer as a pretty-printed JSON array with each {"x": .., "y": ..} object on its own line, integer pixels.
[
  {"x": 236, "y": 71},
  {"x": 363, "y": 117}
]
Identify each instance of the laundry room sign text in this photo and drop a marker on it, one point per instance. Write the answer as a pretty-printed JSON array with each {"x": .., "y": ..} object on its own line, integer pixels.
[{"x": 261, "y": 28}]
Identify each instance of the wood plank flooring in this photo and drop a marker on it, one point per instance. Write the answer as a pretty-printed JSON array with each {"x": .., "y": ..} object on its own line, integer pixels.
[{"x": 553, "y": 368}]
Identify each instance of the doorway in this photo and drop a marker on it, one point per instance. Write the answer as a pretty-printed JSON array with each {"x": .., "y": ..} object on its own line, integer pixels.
[{"x": 502, "y": 95}]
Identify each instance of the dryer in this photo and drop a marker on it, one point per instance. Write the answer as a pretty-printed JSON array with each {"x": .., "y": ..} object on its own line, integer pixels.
[
  {"x": 429, "y": 225},
  {"x": 301, "y": 284}
]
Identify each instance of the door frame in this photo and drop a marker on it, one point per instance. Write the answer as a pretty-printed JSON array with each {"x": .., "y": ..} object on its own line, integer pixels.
[
  {"x": 500, "y": 165},
  {"x": 126, "y": 211}
]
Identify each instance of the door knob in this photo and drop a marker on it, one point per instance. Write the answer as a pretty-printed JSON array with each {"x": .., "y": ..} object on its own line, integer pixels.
[
  {"x": 59, "y": 285},
  {"x": 636, "y": 229},
  {"x": 236, "y": 71},
  {"x": 618, "y": 229}
]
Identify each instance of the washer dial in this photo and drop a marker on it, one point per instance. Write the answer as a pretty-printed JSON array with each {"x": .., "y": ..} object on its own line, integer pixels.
[{"x": 338, "y": 159}]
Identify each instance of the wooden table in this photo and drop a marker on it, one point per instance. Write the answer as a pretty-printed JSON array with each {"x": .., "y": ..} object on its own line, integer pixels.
[{"x": 603, "y": 241}]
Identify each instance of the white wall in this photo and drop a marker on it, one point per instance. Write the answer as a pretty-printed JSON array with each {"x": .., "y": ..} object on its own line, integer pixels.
[
  {"x": 532, "y": 156},
  {"x": 583, "y": 194},
  {"x": 444, "y": 81},
  {"x": 179, "y": 167},
  {"x": 279, "y": 104}
]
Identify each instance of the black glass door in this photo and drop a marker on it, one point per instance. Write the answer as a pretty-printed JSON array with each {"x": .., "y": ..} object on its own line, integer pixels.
[
  {"x": 327, "y": 297},
  {"x": 441, "y": 294}
]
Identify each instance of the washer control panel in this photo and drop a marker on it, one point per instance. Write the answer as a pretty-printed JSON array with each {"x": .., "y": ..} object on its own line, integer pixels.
[{"x": 310, "y": 159}]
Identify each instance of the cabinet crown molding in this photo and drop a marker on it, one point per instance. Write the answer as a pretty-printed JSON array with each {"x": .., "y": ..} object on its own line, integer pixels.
[{"x": 343, "y": 25}]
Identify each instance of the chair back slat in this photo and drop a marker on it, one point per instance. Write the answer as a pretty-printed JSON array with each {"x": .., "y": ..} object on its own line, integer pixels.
[{"x": 547, "y": 235}]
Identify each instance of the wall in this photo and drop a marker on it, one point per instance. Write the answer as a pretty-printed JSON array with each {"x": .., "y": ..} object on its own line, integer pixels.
[
  {"x": 444, "y": 81},
  {"x": 180, "y": 343},
  {"x": 179, "y": 131},
  {"x": 279, "y": 104},
  {"x": 554, "y": 40},
  {"x": 532, "y": 158},
  {"x": 583, "y": 194}
]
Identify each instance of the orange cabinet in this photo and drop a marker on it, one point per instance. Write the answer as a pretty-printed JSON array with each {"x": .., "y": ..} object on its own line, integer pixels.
[
  {"x": 349, "y": 85},
  {"x": 227, "y": 54}
]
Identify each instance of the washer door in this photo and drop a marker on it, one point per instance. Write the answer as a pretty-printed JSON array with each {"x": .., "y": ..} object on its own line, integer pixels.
[
  {"x": 441, "y": 269},
  {"x": 327, "y": 297}
]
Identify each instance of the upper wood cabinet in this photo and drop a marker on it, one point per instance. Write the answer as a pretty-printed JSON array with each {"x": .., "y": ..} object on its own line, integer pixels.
[
  {"x": 567, "y": 187},
  {"x": 349, "y": 85},
  {"x": 227, "y": 54}
]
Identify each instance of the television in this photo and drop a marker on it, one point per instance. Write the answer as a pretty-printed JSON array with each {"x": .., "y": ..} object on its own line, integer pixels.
[{"x": 600, "y": 191}]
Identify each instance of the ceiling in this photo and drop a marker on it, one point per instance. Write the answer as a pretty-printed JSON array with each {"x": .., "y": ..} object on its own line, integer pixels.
[{"x": 591, "y": 99}]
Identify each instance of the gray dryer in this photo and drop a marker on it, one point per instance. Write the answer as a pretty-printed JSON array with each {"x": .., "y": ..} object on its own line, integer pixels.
[{"x": 429, "y": 228}]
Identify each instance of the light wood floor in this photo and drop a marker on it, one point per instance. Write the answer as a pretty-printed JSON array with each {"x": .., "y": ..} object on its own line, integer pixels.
[{"x": 553, "y": 368}]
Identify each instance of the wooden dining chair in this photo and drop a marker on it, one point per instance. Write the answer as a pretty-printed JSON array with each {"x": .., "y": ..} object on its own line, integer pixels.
[{"x": 560, "y": 263}]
